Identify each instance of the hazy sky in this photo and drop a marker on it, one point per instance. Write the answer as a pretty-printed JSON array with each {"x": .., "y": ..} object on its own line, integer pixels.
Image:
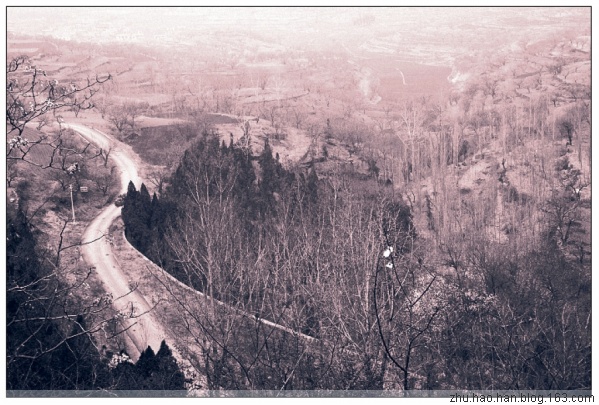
[
  {"x": 406, "y": 26},
  {"x": 158, "y": 19}
]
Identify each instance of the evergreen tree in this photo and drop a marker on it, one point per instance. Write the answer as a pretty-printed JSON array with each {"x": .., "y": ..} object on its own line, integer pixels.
[
  {"x": 22, "y": 264},
  {"x": 154, "y": 211},
  {"x": 147, "y": 362},
  {"x": 137, "y": 217},
  {"x": 244, "y": 189},
  {"x": 268, "y": 182},
  {"x": 129, "y": 207},
  {"x": 132, "y": 194},
  {"x": 158, "y": 371},
  {"x": 171, "y": 377},
  {"x": 126, "y": 376},
  {"x": 312, "y": 187},
  {"x": 145, "y": 205}
]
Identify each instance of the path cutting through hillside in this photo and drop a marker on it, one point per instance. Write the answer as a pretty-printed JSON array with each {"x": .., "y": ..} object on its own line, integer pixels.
[{"x": 144, "y": 330}]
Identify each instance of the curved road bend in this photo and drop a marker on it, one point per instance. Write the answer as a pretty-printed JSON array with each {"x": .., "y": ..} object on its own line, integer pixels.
[{"x": 144, "y": 330}]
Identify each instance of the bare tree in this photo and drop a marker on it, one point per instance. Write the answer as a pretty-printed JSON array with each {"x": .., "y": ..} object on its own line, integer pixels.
[
  {"x": 30, "y": 94},
  {"x": 102, "y": 104},
  {"x": 119, "y": 118},
  {"x": 279, "y": 84},
  {"x": 46, "y": 312},
  {"x": 273, "y": 114},
  {"x": 105, "y": 154},
  {"x": 104, "y": 180},
  {"x": 262, "y": 81},
  {"x": 11, "y": 171},
  {"x": 299, "y": 116},
  {"x": 404, "y": 300},
  {"x": 158, "y": 179},
  {"x": 42, "y": 122},
  {"x": 411, "y": 117},
  {"x": 566, "y": 128},
  {"x": 134, "y": 110},
  {"x": 122, "y": 116}
]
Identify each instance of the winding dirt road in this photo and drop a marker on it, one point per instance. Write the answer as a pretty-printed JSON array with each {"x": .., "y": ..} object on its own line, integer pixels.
[{"x": 143, "y": 330}]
